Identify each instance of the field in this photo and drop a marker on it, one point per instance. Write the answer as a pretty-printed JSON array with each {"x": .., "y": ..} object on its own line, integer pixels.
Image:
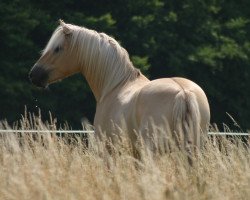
[{"x": 48, "y": 167}]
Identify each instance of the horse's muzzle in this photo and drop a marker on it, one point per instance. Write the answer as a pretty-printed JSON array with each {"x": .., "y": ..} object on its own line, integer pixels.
[{"x": 39, "y": 76}]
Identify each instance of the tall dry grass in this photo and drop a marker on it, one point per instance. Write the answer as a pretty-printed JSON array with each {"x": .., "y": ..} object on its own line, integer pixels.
[{"x": 47, "y": 167}]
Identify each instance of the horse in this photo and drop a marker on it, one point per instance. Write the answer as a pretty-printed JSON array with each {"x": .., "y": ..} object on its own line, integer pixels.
[{"x": 125, "y": 98}]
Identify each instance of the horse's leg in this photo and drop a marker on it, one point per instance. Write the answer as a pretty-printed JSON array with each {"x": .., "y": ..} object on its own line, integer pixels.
[{"x": 155, "y": 133}]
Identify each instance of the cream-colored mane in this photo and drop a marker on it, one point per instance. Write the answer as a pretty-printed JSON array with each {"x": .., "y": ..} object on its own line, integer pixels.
[{"x": 102, "y": 60}]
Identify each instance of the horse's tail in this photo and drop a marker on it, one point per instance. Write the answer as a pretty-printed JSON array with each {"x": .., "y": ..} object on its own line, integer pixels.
[{"x": 186, "y": 121}]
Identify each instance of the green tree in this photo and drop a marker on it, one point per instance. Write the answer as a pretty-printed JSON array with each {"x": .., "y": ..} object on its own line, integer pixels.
[{"x": 205, "y": 41}]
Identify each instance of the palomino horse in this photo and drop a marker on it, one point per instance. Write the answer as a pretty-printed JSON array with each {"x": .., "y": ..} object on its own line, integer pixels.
[{"x": 124, "y": 96}]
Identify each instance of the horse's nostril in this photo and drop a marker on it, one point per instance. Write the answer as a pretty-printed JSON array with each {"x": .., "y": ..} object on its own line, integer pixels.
[{"x": 38, "y": 76}]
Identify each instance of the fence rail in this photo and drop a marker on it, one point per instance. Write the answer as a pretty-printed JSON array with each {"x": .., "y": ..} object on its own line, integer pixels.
[
  {"x": 229, "y": 133},
  {"x": 46, "y": 131},
  {"x": 92, "y": 131}
]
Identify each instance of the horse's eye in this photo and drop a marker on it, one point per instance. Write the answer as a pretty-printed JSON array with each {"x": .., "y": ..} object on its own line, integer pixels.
[{"x": 57, "y": 49}]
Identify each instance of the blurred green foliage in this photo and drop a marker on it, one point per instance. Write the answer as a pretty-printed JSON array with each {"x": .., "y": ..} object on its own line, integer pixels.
[{"x": 207, "y": 41}]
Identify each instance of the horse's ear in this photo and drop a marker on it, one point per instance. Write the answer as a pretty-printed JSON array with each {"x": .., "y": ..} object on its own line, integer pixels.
[{"x": 66, "y": 29}]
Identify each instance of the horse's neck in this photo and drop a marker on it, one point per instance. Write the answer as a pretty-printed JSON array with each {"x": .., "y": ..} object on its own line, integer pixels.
[
  {"x": 104, "y": 63},
  {"x": 105, "y": 80}
]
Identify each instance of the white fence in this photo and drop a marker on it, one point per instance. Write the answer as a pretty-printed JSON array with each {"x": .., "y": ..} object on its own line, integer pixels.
[
  {"x": 92, "y": 132},
  {"x": 47, "y": 131}
]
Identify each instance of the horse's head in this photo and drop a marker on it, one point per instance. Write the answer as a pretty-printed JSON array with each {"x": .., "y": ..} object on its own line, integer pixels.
[{"x": 57, "y": 60}]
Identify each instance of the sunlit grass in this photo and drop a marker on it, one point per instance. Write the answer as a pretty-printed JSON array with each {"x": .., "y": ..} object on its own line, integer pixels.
[{"x": 48, "y": 167}]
